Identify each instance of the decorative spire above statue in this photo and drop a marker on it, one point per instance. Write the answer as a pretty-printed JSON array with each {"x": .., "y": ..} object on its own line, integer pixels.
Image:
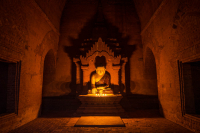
[
  {"x": 100, "y": 49},
  {"x": 100, "y": 28}
]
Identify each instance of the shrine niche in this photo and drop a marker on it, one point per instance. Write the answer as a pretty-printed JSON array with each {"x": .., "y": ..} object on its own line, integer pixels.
[{"x": 112, "y": 65}]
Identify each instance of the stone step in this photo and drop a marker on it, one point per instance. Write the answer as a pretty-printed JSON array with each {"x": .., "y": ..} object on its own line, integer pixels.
[
  {"x": 100, "y": 121},
  {"x": 100, "y": 111}
]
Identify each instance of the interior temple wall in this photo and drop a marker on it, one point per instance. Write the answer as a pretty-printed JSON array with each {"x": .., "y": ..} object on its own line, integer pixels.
[
  {"x": 145, "y": 9},
  {"x": 29, "y": 29},
  {"x": 173, "y": 35},
  {"x": 26, "y": 36},
  {"x": 53, "y": 10}
]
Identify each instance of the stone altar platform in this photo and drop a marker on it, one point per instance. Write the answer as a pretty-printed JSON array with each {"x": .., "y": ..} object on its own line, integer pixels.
[
  {"x": 100, "y": 121},
  {"x": 100, "y": 105}
]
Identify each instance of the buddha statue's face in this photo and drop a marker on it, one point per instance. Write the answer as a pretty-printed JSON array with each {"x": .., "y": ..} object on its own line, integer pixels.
[{"x": 100, "y": 70}]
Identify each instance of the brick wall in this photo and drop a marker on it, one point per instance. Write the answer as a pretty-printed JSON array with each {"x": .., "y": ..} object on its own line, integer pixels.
[
  {"x": 26, "y": 35},
  {"x": 172, "y": 34}
]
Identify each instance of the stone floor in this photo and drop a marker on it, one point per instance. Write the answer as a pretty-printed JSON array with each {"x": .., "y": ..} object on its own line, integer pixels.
[{"x": 135, "y": 125}]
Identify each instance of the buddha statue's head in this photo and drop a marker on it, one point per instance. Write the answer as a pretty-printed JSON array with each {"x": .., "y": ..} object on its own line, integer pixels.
[{"x": 100, "y": 70}]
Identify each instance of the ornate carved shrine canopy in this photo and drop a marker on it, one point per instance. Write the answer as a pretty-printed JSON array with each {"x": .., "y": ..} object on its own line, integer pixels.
[{"x": 113, "y": 64}]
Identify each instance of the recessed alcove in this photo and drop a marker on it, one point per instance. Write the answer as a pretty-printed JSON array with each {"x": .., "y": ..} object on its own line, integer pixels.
[
  {"x": 100, "y": 53},
  {"x": 150, "y": 73},
  {"x": 48, "y": 73},
  {"x": 191, "y": 87},
  {"x": 3, "y": 84},
  {"x": 9, "y": 84},
  {"x": 100, "y": 61}
]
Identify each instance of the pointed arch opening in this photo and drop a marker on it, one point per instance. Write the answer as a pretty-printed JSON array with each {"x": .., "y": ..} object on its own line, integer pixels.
[
  {"x": 150, "y": 73},
  {"x": 48, "y": 73}
]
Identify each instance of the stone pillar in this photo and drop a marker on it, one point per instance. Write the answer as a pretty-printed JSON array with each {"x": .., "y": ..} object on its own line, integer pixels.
[
  {"x": 75, "y": 60},
  {"x": 115, "y": 75},
  {"x": 123, "y": 80},
  {"x": 115, "y": 79},
  {"x": 86, "y": 79}
]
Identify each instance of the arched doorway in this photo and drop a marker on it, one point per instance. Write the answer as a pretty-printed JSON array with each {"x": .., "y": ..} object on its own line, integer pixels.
[
  {"x": 150, "y": 74},
  {"x": 48, "y": 72},
  {"x": 48, "y": 77}
]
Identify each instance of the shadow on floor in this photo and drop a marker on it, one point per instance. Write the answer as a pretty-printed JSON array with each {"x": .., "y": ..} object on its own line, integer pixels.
[{"x": 135, "y": 106}]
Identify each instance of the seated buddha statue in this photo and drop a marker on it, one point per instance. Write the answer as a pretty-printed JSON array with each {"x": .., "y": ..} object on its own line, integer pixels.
[{"x": 100, "y": 81}]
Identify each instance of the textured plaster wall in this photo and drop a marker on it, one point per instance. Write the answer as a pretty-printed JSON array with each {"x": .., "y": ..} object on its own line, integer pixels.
[
  {"x": 173, "y": 35},
  {"x": 145, "y": 9},
  {"x": 53, "y": 10},
  {"x": 25, "y": 36},
  {"x": 74, "y": 29}
]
